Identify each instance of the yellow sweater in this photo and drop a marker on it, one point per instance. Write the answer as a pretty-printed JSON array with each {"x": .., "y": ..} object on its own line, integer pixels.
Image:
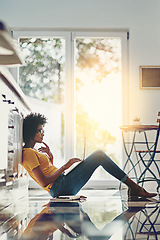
[{"x": 32, "y": 159}]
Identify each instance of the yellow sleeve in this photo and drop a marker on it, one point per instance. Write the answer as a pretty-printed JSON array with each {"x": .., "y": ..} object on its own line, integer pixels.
[{"x": 30, "y": 158}]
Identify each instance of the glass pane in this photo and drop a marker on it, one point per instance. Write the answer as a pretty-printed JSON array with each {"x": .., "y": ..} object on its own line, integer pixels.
[
  {"x": 98, "y": 98},
  {"x": 42, "y": 79}
]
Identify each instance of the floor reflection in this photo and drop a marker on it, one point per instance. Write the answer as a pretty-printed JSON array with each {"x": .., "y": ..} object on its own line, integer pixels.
[
  {"x": 105, "y": 215},
  {"x": 145, "y": 224},
  {"x": 138, "y": 218}
]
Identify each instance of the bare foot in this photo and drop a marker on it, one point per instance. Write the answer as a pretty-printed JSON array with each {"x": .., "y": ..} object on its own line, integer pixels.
[{"x": 141, "y": 192}]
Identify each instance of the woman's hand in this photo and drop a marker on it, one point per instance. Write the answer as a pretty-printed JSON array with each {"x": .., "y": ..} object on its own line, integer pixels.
[
  {"x": 71, "y": 162},
  {"x": 46, "y": 149}
]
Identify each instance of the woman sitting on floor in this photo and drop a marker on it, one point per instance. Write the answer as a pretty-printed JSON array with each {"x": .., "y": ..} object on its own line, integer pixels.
[{"x": 40, "y": 166}]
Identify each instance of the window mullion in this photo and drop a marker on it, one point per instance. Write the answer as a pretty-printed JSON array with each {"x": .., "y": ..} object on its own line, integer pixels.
[{"x": 70, "y": 100}]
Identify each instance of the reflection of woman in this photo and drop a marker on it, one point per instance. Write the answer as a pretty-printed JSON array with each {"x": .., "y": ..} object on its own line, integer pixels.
[
  {"x": 40, "y": 227},
  {"x": 71, "y": 220},
  {"x": 40, "y": 166}
]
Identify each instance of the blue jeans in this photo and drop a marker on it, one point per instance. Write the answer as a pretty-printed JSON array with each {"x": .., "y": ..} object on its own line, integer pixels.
[{"x": 71, "y": 183}]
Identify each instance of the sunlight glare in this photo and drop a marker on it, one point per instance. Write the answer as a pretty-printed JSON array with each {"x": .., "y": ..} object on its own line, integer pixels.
[{"x": 100, "y": 101}]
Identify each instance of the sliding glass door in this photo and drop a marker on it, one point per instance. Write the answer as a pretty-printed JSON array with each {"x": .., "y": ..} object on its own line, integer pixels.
[
  {"x": 78, "y": 80},
  {"x": 99, "y": 81},
  {"x": 43, "y": 79}
]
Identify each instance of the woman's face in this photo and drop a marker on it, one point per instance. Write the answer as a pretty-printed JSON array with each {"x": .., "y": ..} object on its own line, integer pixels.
[{"x": 39, "y": 134}]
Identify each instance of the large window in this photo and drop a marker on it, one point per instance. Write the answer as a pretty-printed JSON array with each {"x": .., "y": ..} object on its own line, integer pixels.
[
  {"x": 98, "y": 77},
  {"x": 78, "y": 81},
  {"x": 42, "y": 79}
]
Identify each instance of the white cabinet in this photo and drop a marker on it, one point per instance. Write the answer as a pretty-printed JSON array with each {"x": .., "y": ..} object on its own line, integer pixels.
[{"x": 13, "y": 107}]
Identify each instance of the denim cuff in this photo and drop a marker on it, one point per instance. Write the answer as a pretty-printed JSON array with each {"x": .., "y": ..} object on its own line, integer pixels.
[{"x": 124, "y": 178}]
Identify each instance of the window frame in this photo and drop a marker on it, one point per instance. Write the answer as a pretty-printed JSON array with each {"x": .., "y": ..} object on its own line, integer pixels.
[{"x": 70, "y": 36}]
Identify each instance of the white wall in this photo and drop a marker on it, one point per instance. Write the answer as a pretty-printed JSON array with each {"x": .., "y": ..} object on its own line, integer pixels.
[{"x": 140, "y": 17}]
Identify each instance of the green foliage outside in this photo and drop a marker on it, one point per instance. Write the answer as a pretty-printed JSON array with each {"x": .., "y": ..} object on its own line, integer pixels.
[{"x": 42, "y": 76}]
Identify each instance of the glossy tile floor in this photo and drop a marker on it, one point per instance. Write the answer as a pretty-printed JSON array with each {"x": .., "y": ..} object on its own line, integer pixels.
[{"x": 106, "y": 214}]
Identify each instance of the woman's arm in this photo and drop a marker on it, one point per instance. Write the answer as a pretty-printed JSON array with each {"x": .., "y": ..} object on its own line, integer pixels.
[
  {"x": 45, "y": 180},
  {"x": 47, "y": 150}
]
